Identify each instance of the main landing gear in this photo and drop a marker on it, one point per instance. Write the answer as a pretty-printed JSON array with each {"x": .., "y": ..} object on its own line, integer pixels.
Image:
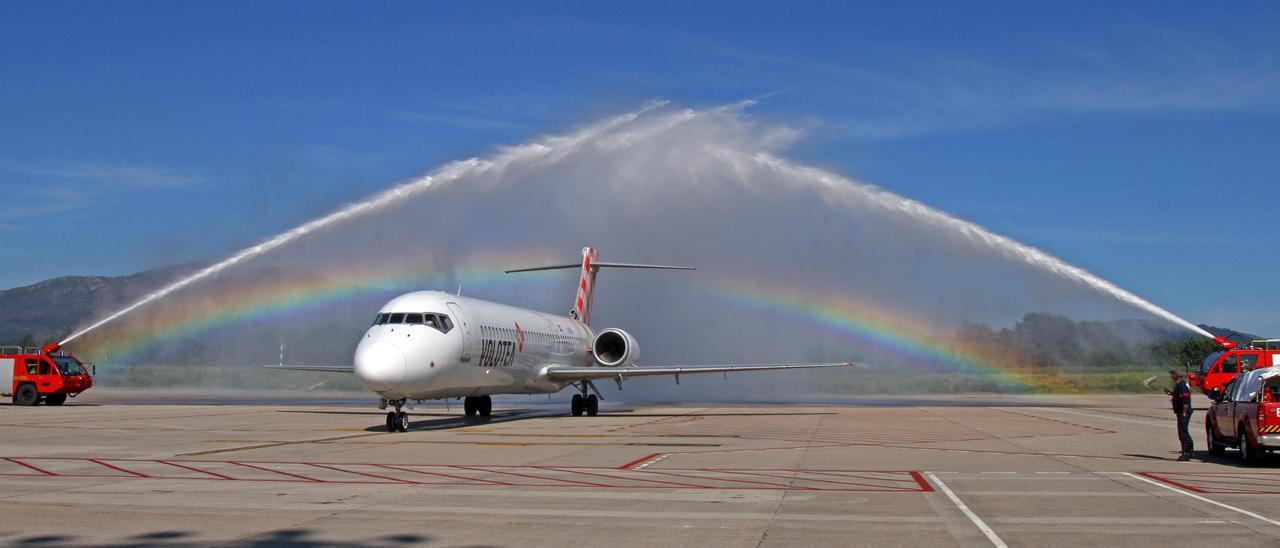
[
  {"x": 481, "y": 405},
  {"x": 584, "y": 402},
  {"x": 397, "y": 421}
]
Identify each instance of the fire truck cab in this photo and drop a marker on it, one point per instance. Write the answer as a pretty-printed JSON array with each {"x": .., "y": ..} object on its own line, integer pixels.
[
  {"x": 1220, "y": 367},
  {"x": 32, "y": 375}
]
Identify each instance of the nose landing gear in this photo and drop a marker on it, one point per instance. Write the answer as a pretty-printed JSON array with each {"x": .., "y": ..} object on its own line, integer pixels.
[{"x": 397, "y": 421}]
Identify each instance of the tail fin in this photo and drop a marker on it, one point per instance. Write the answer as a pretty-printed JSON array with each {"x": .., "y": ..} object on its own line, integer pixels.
[
  {"x": 586, "y": 285},
  {"x": 587, "y": 281}
]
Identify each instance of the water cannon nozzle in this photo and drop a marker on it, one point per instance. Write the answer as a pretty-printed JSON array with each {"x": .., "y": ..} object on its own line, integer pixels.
[
  {"x": 50, "y": 348},
  {"x": 1224, "y": 343}
]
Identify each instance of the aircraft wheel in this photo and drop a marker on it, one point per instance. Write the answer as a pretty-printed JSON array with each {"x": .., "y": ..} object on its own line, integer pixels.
[
  {"x": 576, "y": 405},
  {"x": 469, "y": 406},
  {"x": 593, "y": 405},
  {"x": 55, "y": 399},
  {"x": 391, "y": 421},
  {"x": 486, "y": 406},
  {"x": 402, "y": 421},
  {"x": 26, "y": 395}
]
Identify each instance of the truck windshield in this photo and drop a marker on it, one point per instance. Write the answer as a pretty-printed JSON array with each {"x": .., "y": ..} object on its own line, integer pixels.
[
  {"x": 1208, "y": 362},
  {"x": 68, "y": 366}
]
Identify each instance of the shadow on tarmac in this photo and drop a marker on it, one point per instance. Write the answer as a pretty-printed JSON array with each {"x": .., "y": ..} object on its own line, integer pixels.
[{"x": 290, "y": 538}]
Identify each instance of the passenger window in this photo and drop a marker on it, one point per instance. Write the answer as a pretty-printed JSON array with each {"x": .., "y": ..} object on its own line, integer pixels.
[
  {"x": 396, "y": 318},
  {"x": 44, "y": 367},
  {"x": 1247, "y": 361},
  {"x": 1229, "y": 365},
  {"x": 413, "y": 318},
  {"x": 31, "y": 365}
]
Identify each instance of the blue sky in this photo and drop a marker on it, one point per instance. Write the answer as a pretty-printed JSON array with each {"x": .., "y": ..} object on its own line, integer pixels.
[{"x": 1140, "y": 142}]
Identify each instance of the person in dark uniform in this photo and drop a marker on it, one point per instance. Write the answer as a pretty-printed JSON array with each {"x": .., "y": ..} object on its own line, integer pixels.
[{"x": 1180, "y": 396}]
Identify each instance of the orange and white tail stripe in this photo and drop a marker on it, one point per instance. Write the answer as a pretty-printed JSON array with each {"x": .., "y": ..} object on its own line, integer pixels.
[{"x": 586, "y": 285}]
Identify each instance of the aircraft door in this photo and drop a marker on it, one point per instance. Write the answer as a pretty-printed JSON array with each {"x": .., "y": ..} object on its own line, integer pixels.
[{"x": 470, "y": 342}]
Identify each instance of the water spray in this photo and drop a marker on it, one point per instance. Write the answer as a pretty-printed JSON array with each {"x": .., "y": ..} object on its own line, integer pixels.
[{"x": 450, "y": 172}]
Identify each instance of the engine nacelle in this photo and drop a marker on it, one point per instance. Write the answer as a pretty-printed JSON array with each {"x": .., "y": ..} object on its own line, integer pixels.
[{"x": 615, "y": 348}]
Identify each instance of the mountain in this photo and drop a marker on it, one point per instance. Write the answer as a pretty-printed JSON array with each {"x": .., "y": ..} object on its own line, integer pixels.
[
  {"x": 1230, "y": 334},
  {"x": 50, "y": 309}
]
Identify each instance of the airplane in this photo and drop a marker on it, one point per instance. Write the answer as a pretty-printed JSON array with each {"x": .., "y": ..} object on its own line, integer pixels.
[{"x": 429, "y": 345}]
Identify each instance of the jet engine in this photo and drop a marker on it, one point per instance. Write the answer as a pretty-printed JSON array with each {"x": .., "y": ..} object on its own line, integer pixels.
[{"x": 615, "y": 347}]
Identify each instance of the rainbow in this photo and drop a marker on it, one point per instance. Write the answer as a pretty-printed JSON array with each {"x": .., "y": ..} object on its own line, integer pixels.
[
  {"x": 274, "y": 298},
  {"x": 874, "y": 325}
]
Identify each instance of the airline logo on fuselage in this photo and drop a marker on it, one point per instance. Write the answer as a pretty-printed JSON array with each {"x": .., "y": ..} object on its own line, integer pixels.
[{"x": 498, "y": 346}]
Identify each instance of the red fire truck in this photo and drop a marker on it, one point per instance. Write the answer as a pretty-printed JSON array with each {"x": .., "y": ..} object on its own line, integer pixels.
[
  {"x": 1220, "y": 367},
  {"x": 34, "y": 374}
]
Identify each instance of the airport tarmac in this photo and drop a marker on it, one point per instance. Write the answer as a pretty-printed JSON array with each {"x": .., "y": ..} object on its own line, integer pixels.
[{"x": 925, "y": 471}]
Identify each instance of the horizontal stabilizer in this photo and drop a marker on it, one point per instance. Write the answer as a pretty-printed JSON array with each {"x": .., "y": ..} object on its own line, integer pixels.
[
  {"x": 325, "y": 368},
  {"x": 601, "y": 265},
  {"x": 561, "y": 374}
]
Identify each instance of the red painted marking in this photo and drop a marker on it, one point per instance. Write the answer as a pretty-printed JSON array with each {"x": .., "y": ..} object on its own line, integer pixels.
[
  {"x": 194, "y": 469},
  {"x": 113, "y": 467},
  {"x": 33, "y": 467},
  {"x": 690, "y": 485},
  {"x": 795, "y": 477},
  {"x": 924, "y": 485},
  {"x": 425, "y": 472},
  {"x": 519, "y": 339},
  {"x": 530, "y": 476},
  {"x": 639, "y": 461},
  {"x": 335, "y": 468},
  {"x": 247, "y": 465},
  {"x": 1171, "y": 482},
  {"x": 670, "y": 473}
]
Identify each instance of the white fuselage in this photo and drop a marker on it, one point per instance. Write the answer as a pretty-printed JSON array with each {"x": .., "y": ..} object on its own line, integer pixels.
[{"x": 457, "y": 347}]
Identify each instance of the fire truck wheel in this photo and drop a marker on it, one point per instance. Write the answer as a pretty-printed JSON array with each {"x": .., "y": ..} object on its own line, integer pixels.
[
  {"x": 55, "y": 399},
  {"x": 403, "y": 421},
  {"x": 391, "y": 421},
  {"x": 26, "y": 395}
]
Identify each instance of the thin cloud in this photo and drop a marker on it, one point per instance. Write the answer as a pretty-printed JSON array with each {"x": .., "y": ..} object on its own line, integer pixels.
[
  {"x": 105, "y": 177},
  {"x": 59, "y": 188},
  {"x": 950, "y": 93}
]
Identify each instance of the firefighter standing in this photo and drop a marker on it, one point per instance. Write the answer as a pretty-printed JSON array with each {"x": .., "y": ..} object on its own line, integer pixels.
[{"x": 1180, "y": 396}]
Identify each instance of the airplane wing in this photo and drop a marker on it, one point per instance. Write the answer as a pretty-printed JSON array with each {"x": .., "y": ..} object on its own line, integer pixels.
[
  {"x": 560, "y": 374},
  {"x": 325, "y": 368}
]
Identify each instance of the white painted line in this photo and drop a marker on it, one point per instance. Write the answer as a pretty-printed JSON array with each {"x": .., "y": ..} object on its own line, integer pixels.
[
  {"x": 652, "y": 461},
  {"x": 982, "y": 526},
  {"x": 1204, "y": 499}
]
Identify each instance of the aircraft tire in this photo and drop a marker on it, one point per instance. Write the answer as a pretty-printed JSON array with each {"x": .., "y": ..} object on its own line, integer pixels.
[
  {"x": 469, "y": 406},
  {"x": 55, "y": 399},
  {"x": 391, "y": 421},
  {"x": 486, "y": 406},
  {"x": 576, "y": 405},
  {"x": 402, "y": 421},
  {"x": 593, "y": 405},
  {"x": 26, "y": 395}
]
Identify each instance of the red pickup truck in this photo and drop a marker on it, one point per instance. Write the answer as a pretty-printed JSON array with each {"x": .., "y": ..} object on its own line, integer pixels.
[{"x": 1246, "y": 415}]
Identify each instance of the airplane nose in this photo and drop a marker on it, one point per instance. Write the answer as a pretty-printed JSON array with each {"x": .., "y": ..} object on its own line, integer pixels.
[{"x": 379, "y": 366}]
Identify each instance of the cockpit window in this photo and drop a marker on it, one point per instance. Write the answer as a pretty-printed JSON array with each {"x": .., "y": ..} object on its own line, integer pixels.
[
  {"x": 443, "y": 323},
  {"x": 413, "y": 318},
  {"x": 396, "y": 318},
  {"x": 381, "y": 319}
]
